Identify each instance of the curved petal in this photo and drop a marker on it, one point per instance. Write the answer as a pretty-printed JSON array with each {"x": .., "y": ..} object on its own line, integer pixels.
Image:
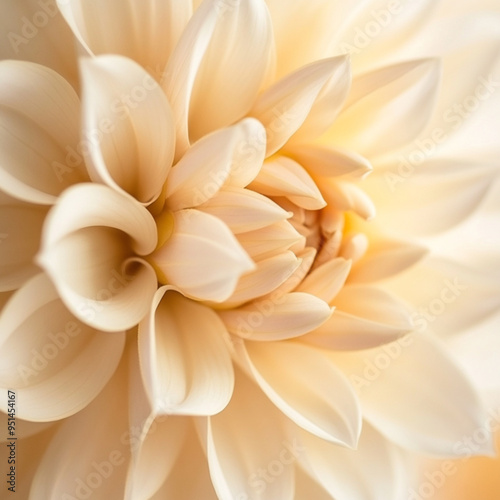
[
  {"x": 20, "y": 231},
  {"x": 85, "y": 250},
  {"x": 388, "y": 108},
  {"x": 270, "y": 240},
  {"x": 282, "y": 316},
  {"x": 268, "y": 276},
  {"x": 39, "y": 130},
  {"x": 285, "y": 107},
  {"x": 100, "y": 434},
  {"x": 326, "y": 281},
  {"x": 178, "y": 261},
  {"x": 243, "y": 210},
  {"x": 385, "y": 260},
  {"x": 308, "y": 388},
  {"x": 145, "y": 31},
  {"x": 328, "y": 161},
  {"x": 218, "y": 67},
  {"x": 239, "y": 454},
  {"x": 213, "y": 161},
  {"x": 150, "y": 435},
  {"x": 184, "y": 359},
  {"x": 48, "y": 354},
  {"x": 283, "y": 176},
  {"x": 371, "y": 472},
  {"x": 92, "y": 205},
  {"x": 364, "y": 317},
  {"x": 21, "y": 22},
  {"x": 191, "y": 463},
  {"x": 448, "y": 298},
  {"x": 452, "y": 188},
  {"x": 416, "y": 395},
  {"x": 347, "y": 196},
  {"x": 128, "y": 127}
]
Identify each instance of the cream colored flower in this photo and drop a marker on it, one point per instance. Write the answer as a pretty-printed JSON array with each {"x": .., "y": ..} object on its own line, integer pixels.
[{"x": 218, "y": 276}]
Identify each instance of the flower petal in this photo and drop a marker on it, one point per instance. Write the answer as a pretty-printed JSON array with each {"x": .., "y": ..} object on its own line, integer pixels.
[
  {"x": 285, "y": 107},
  {"x": 387, "y": 108},
  {"x": 270, "y": 240},
  {"x": 145, "y": 31},
  {"x": 371, "y": 472},
  {"x": 307, "y": 388},
  {"x": 209, "y": 164},
  {"x": 268, "y": 276},
  {"x": 47, "y": 354},
  {"x": 328, "y": 161},
  {"x": 85, "y": 251},
  {"x": 224, "y": 261},
  {"x": 243, "y": 210},
  {"x": 385, "y": 260},
  {"x": 347, "y": 196},
  {"x": 364, "y": 317},
  {"x": 229, "y": 44},
  {"x": 277, "y": 318},
  {"x": 285, "y": 177},
  {"x": 39, "y": 127},
  {"x": 237, "y": 453},
  {"x": 54, "y": 47},
  {"x": 20, "y": 230},
  {"x": 100, "y": 434},
  {"x": 326, "y": 281},
  {"x": 150, "y": 436},
  {"x": 418, "y": 397},
  {"x": 128, "y": 127},
  {"x": 184, "y": 358},
  {"x": 453, "y": 189},
  {"x": 192, "y": 463}
]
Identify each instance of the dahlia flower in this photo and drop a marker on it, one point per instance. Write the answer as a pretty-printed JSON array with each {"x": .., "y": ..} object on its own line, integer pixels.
[{"x": 239, "y": 246}]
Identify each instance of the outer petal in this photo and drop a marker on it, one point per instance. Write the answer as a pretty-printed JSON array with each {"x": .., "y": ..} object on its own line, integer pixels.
[
  {"x": 39, "y": 127},
  {"x": 145, "y": 31},
  {"x": 128, "y": 127},
  {"x": 99, "y": 433},
  {"x": 371, "y": 472},
  {"x": 192, "y": 463},
  {"x": 286, "y": 106},
  {"x": 21, "y": 22},
  {"x": 238, "y": 450},
  {"x": 416, "y": 395},
  {"x": 48, "y": 354},
  {"x": 223, "y": 262},
  {"x": 365, "y": 317},
  {"x": 20, "y": 230},
  {"x": 306, "y": 387},
  {"x": 217, "y": 67},
  {"x": 185, "y": 362},
  {"x": 85, "y": 250},
  {"x": 385, "y": 260},
  {"x": 155, "y": 440},
  {"x": 277, "y": 318},
  {"x": 449, "y": 187},
  {"x": 387, "y": 108}
]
